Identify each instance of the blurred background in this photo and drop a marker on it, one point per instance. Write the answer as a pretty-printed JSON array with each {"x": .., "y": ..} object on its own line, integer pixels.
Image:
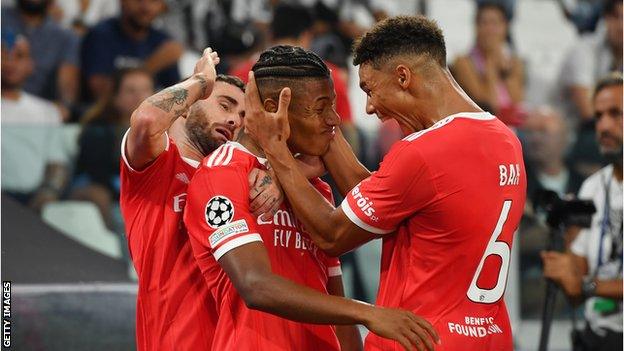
[{"x": 74, "y": 70}]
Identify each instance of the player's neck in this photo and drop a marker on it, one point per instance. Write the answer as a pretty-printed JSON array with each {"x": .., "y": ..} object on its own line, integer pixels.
[
  {"x": 249, "y": 144},
  {"x": 454, "y": 100}
]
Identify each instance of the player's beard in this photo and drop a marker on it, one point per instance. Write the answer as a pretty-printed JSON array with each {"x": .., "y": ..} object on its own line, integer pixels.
[{"x": 199, "y": 134}]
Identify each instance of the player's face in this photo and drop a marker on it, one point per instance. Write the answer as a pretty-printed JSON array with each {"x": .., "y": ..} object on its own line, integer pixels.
[
  {"x": 312, "y": 118},
  {"x": 134, "y": 88},
  {"x": 384, "y": 97},
  {"x": 17, "y": 65},
  {"x": 215, "y": 120},
  {"x": 608, "y": 114}
]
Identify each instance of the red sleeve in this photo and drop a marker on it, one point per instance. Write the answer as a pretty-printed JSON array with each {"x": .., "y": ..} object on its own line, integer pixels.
[
  {"x": 394, "y": 193},
  {"x": 217, "y": 212},
  {"x": 133, "y": 181}
]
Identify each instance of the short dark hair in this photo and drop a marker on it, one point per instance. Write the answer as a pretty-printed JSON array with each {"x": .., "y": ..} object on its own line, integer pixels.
[
  {"x": 493, "y": 6},
  {"x": 401, "y": 35},
  {"x": 612, "y": 79},
  {"x": 609, "y": 7},
  {"x": 235, "y": 81},
  {"x": 289, "y": 61},
  {"x": 290, "y": 21},
  {"x": 286, "y": 65}
]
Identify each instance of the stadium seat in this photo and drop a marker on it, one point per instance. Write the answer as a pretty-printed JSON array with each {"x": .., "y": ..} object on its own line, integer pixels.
[{"x": 82, "y": 222}]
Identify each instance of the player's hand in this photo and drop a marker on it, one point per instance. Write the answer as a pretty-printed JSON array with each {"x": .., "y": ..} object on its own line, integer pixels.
[
  {"x": 267, "y": 128},
  {"x": 411, "y": 331},
  {"x": 205, "y": 68},
  {"x": 265, "y": 194},
  {"x": 311, "y": 166}
]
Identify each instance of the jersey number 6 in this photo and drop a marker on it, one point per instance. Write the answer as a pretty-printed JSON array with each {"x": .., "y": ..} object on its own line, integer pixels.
[{"x": 494, "y": 247}]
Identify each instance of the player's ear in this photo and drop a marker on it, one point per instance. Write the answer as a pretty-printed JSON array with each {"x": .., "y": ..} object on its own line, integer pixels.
[
  {"x": 403, "y": 76},
  {"x": 270, "y": 105}
]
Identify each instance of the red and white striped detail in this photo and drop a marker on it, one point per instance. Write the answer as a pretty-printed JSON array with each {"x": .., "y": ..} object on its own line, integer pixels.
[
  {"x": 221, "y": 156},
  {"x": 234, "y": 242}
]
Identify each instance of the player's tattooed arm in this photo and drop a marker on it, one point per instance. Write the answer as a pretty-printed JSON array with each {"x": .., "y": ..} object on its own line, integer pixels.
[
  {"x": 156, "y": 114},
  {"x": 265, "y": 194}
]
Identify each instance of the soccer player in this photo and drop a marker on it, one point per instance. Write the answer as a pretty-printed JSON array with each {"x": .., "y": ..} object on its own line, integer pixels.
[
  {"x": 254, "y": 265},
  {"x": 160, "y": 152},
  {"x": 446, "y": 199}
]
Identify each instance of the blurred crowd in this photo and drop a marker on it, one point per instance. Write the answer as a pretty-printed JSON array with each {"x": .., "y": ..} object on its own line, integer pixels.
[{"x": 74, "y": 70}]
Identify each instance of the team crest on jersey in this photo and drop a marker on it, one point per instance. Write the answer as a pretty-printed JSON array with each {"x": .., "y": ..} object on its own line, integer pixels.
[{"x": 219, "y": 211}]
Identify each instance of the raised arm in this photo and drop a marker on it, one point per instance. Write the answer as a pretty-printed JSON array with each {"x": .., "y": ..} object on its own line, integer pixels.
[
  {"x": 154, "y": 116},
  {"x": 249, "y": 269}
]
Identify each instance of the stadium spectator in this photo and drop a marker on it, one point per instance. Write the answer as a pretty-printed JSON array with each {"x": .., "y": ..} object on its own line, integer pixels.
[
  {"x": 55, "y": 51},
  {"x": 491, "y": 73},
  {"x": 33, "y": 160},
  {"x": 81, "y": 15},
  {"x": 547, "y": 141},
  {"x": 593, "y": 57},
  {"x": 160, "y": 153},
  {"x": 128, "y": 41},
  {"x": 422, "y": 199},
  {"x": 584, "y": 14},
  {"x": 97, "y": 167},
  {"x": 592, "y": 270}
]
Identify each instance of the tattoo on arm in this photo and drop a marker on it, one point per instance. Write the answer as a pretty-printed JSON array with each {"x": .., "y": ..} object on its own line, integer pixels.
[
  {"x": 266, "y": 181},
  {"x": 203, "y": 83},
  {"x": 169, "y": 97}
]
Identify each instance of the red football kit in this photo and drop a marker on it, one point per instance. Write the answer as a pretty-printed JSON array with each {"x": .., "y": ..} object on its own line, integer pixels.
[
  {"x": 218, "y": 218},
  {"x": 175, "y": 310},
  {"x": 448, "y": 200}
]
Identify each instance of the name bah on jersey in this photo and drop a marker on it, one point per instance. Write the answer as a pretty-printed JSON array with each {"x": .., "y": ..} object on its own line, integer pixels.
[{"x": 509, "y": 174}]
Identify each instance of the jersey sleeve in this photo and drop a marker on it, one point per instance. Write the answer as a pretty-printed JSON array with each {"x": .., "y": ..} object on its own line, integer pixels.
[
  {"x": 334, "y": 267},
  {"x": 137, "y": 181},
  {"x": 217, "y": 213},
  {"x": 400, "y": 188}
]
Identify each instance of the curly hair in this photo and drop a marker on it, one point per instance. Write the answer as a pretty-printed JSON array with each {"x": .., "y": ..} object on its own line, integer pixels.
[{"x": 401, "y": 35}]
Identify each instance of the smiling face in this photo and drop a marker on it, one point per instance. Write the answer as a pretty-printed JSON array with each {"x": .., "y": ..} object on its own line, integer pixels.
[
  {"x": 215, "y": 120},
  {"x": 388, "y": 96},
  {"x": 492, "y": 26}
]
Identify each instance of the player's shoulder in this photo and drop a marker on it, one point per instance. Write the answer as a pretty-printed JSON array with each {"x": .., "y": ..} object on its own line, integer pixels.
[
  {"x": 229, "y": 155},
  {"x": 451, "y": 124}
]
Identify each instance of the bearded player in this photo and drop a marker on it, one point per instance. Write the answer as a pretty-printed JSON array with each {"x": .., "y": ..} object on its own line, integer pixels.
[
  {"x": 160, "y": 152},
  {"x": 270, "y": 281},
  {"x": 446, "y": 199}
]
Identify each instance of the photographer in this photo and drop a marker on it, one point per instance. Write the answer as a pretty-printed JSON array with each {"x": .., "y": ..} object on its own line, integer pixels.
[{"x": 592, "y": 270}]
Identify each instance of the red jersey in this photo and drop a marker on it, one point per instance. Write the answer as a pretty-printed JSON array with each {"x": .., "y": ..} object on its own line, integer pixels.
[
  {"x": 449, "y": 199},
  {"x": 219, "y": 220},
  {"x": 175, "y": 310}
]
